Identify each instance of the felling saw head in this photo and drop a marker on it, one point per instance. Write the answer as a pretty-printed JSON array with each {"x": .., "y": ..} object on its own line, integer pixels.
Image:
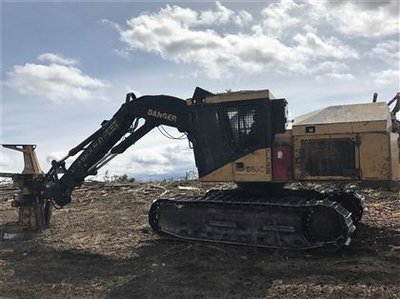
[{"x": 33, "y": 213}]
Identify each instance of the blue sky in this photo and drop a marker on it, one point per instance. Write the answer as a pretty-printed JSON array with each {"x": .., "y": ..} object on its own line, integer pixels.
[{"x": 67, "y": 66}]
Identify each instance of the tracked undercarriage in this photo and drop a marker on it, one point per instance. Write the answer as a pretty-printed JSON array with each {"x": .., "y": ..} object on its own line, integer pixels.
[{"x": 290, "y": 219}]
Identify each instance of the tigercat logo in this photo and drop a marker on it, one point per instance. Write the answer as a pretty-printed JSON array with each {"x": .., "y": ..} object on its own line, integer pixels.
[{"x": 162, "y": 115}]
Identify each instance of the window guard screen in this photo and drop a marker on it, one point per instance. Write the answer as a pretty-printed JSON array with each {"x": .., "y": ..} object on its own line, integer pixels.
[{"x": 247, "y": 125}]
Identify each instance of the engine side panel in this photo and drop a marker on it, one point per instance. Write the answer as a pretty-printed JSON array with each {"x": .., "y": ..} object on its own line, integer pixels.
[
  {"x": 395, "y": 155},
  {"x": 253, "y": 167},
  {"x": 326, "y": 157},
  {"x": 375, "y": 159}
]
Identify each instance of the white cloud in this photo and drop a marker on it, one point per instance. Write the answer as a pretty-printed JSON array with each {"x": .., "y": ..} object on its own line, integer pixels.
[
  {"x": 150, "y": 159},
  {"x": 58, "y": 155},
  {"x": 57, "y": 59},
  {"x": 243, "y": 18},
  {"x": 191, "y": 18},
  {"x": 315, "y": 47},
  {"x": 277, "y": 17},
  {"x": 154, "y": 161},
  {"x": 341, "y": 76},
  {"x": 354, "y": 18},
  {"x": 56, "y": 82},
  {"x": 359, "y": 18},
  {"x": 315, "y": 38},
  {"x": 387, "y": 77},
  {"x": 222, "y": 15},
  {"x": 164, "y": 158},
  {"x": 123, "y": 53},
  {"x": 110, "y": 24},
  {"x": 332, "y": 70},
  {"x": 6, "y": 163},
  {"x": 169, "y": 34},
  {"x": 181, "y": 35},
  {"x": 330, "y": 66},
  {"x": 388, "y": 52}
]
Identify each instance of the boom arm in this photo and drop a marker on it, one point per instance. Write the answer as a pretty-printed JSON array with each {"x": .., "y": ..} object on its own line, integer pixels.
[{"x": 112, "y": 139}]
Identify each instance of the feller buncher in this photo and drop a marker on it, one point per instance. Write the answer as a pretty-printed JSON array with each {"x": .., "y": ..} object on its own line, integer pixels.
[{"x": 243, "y": 137}]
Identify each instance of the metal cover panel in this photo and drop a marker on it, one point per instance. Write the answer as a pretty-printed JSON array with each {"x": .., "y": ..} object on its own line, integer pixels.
[
  {"x": 375, "y": 160},
  {"x": 282, "y": 163},
  {"x": 327, "y": 158},
  {"x": 395, "y": 156},
  {"x": 346, "y": 114},
  {"x": 240, "y": 96}
]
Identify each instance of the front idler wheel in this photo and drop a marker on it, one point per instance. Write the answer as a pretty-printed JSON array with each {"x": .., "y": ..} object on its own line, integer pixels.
[{"x": 323, "y": 225}]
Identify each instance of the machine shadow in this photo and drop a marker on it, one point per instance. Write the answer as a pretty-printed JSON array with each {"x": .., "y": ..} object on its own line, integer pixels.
[{"x": 176, "y": 269}]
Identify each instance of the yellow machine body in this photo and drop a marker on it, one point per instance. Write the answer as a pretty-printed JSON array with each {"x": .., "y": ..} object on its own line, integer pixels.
[
  {"x": 358, "y": 138},
  {"x": 243, "y": 137},
  {"x": 256, "y": 168},
  {"x": 339, "y": 143}
]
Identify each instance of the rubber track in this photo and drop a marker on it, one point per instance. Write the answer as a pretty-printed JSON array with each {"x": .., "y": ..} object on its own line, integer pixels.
[{"x": 229, "y": 200}]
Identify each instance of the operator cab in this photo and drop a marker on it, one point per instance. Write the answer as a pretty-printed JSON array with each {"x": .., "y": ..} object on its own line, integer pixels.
[{"x": 229, "y": 126}]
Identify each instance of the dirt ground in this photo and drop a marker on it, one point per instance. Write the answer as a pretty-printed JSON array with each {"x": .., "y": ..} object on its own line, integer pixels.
[{"x": 101, "y": 246}]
